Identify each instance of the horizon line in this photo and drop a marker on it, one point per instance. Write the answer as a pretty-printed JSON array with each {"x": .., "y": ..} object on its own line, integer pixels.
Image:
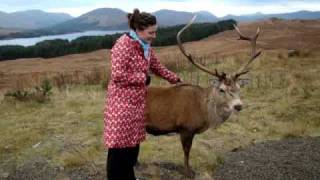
[{"x": 258, "y": 12}]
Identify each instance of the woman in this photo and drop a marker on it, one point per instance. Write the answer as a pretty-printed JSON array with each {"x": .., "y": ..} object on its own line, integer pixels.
[{"x": 131, "y": 59}]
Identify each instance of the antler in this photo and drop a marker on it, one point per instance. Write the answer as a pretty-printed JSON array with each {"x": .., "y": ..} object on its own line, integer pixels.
[
  {"x": 254, "y": 55},
  {"x": 189, "y": 57}
]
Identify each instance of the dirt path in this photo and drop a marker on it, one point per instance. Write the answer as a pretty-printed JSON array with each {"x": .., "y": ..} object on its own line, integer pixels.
[{"x": 286, "y": 159}]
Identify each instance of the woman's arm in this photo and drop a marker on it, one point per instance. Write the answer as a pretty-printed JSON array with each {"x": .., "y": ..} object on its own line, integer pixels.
[
  {"x": 120, "y": 56},
  {"x": 160, "y": 70}
]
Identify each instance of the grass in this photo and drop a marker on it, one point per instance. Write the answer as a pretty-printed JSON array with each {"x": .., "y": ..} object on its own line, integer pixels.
[
  {"x": 281, "y": 101},
  {"x": 68, "y": 121}
]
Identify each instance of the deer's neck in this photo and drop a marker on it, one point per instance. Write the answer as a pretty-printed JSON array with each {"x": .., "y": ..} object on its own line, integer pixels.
[{"x": 216, "y": 108}]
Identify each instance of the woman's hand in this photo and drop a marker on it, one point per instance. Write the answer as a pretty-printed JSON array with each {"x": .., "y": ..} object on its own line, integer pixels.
[{"x": 181, "y": 83}]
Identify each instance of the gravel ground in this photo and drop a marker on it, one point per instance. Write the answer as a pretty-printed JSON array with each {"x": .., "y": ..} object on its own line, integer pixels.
[
  {"x": 297, "y": 159},
  {"x": 286, "y": 159}
]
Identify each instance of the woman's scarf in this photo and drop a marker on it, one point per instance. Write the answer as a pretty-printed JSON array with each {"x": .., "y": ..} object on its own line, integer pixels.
[{"x": 145, "y": 45}]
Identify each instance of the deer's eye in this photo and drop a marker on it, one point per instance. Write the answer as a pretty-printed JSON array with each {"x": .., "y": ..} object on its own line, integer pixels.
[{"x": 222, "y": 90}]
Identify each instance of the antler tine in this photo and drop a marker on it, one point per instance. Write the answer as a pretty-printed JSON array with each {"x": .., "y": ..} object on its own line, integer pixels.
[
  {"x": 241, "y": 36},
  {"x": 189, "y": 57},
  {"x": 254, "y": 55}
]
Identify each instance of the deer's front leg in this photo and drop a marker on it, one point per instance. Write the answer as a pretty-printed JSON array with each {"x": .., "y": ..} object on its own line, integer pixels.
[{"x": 186, "y": 141}]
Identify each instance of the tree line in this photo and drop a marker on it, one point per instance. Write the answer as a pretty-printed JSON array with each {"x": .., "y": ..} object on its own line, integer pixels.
[{"x": 58, "y": 47}]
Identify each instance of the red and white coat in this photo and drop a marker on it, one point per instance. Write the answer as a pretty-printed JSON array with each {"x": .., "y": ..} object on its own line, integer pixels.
[{"x": 124, "y": 117}]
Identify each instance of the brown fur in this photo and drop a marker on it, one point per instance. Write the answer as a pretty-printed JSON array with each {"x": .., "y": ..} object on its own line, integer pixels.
[{"x": 185, "y": 109}]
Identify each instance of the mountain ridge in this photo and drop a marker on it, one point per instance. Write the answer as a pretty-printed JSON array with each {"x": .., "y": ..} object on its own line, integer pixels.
[{"x": 31, "y": 19}]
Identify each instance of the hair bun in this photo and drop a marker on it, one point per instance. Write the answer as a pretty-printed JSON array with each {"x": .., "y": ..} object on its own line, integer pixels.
[
  {"x": 136, "y": 12},
  {"x": 137, "y": 20},
  {"x": 132, "y": 16}
]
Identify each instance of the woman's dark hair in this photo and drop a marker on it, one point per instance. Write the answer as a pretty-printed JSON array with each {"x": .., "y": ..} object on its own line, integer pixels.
[{"x": 140, "y": 21}]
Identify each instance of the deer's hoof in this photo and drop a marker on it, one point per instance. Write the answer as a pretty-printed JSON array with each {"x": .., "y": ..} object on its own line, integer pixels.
[{"x": 190, "y": 173}]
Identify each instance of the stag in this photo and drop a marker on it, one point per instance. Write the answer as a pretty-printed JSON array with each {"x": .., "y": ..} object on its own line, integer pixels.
[{"x": 189, "y": 109}]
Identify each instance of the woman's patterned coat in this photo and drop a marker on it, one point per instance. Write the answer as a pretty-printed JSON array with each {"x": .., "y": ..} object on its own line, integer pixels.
[{"x": 124, "y": 117}]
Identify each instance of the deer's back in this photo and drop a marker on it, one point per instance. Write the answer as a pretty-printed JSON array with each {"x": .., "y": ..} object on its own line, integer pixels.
[{"x": 176, "y": 107}]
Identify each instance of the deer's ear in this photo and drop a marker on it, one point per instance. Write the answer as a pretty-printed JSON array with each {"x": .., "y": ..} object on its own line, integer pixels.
[{"x": 243, "y": 82}]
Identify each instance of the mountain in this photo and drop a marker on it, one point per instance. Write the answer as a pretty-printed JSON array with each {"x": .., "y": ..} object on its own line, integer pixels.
[
  {"x": 112, "y": 18},
  {"x": 115, "y": 19},
  {"x": 245, "y": 18},
  {"x": 31, "y": 19},
  {"x": 288, "y": 16},
  {"x": 170, "y": 17},
  {"x": 99, "y": 19},
  {"x": 7, "y": 31},
  {"x": 207, "y": 15},
  {"x": 299, "y": 15}
]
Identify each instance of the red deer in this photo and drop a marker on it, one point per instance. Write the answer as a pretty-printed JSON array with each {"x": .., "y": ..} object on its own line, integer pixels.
[{"x": 189, "y": 109}]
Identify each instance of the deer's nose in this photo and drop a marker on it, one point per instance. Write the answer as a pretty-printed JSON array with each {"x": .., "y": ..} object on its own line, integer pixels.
[{"x": 238, "y": 107}]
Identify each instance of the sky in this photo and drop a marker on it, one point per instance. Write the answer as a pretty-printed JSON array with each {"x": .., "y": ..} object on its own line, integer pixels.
[{"x": 217, "y": 7}]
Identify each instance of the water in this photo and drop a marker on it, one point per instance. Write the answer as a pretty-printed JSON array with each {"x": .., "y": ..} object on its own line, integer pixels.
[{"x": 71, "y": 36}]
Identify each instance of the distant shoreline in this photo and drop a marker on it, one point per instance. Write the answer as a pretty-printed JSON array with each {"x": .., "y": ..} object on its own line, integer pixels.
[
  {"x": 30, "y": 41},
  {"x": 39, "y": 33}
]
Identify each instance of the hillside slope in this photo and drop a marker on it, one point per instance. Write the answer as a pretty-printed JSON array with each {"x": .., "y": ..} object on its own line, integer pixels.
[{"x": 275, "y": 35}]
